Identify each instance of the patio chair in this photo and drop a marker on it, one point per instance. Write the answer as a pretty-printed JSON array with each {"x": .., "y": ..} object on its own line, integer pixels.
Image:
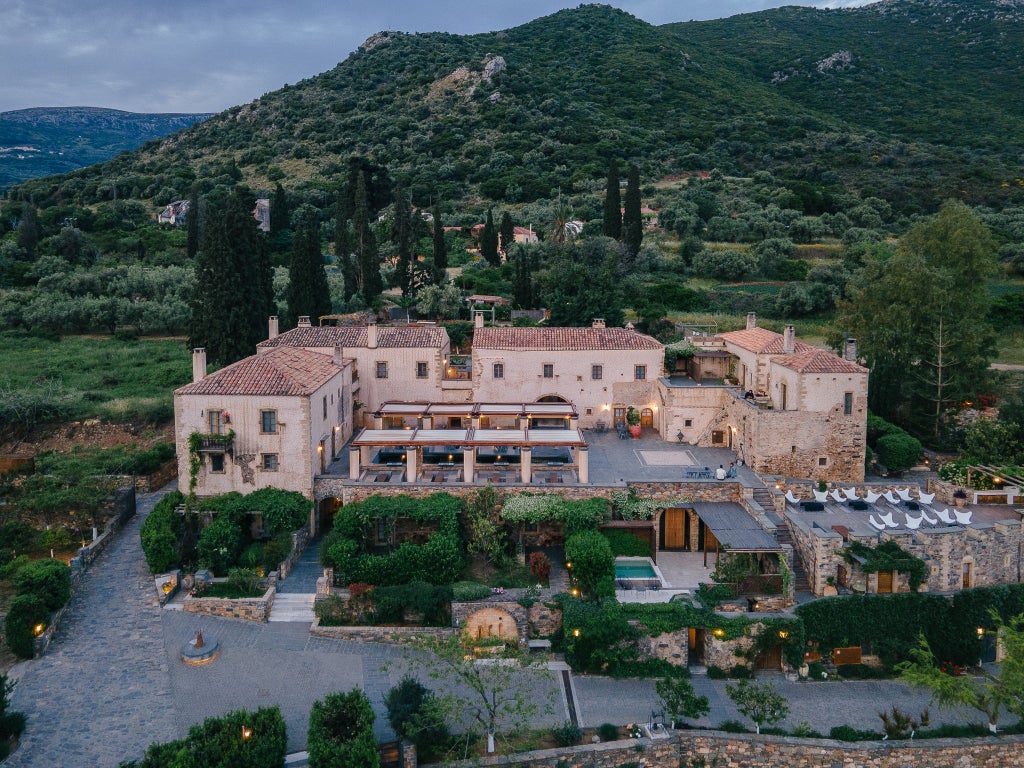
[
  {"x": 851, "y": 494},
  {"x": 964, "y": 518},
  {"x": 791, "y": 498},
  {"x": 875, "y": 524},
  {"x": 929, "y": 520},
  {"x": 837, "y": 496},
  {"x": 925, "y": 498},
  {"x": 945, "y": 517},
  {"x": 904, "y": 494},
  {"x": 913, "y": 523},
  {"x": 871, "y": 497},
  {"x": 890, "y": 498},
  {"x": 820, "y": 495},
  {"x": 887, "y": 519}
]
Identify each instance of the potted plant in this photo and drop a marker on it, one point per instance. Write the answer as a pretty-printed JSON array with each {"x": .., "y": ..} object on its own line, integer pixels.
[
  {"x": 959, "y": 497},
  {"x": 830, "y": 587},
  {"x": 633, "y": 421}
]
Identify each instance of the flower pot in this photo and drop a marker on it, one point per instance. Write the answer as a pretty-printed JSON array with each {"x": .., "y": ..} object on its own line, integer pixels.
[
  {"x": 959, "y": 501},
  {"x": 829, "y": 591},
  {"x": 634, "y": 430}
]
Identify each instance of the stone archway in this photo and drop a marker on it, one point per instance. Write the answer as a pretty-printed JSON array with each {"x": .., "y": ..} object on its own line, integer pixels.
[
  {"x": 552, "y": 399},
  {"x": 491, "y": 622}
]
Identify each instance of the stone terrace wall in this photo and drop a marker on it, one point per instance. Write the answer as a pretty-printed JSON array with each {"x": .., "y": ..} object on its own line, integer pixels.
[
  {"x": 818, "y": 549},
  {"x": 378, "y": 634},
  {"x": 248, "y": 608},
  {"x": 712, "y": 748}
]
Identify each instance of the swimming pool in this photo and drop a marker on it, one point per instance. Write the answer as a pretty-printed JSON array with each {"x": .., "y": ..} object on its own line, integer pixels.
[
  {"x": 634, "y": 570},
  {"x": 638, "y": 573}
]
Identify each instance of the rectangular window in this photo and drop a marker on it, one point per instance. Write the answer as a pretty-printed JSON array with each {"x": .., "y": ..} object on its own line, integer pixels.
[
  {"x": 848, "y": 403},
  {"x": 270, "y": 462},
  {"x": 687, "y": 422},
  {"x": 382, "y": 369},
  {"x": 499, "y": 370},
  {"x": 325, "y": 408},
  {"x": 639, "y": 372},
  {"x": 268, "y": 422},
  {"x": 822, "y": 461},
  {"x": 549, "y": 371},
  {"x": 215, "y": 422},
  {"x": 596, "y": 372},
  {"x": 421, "y": 370},
  {"x": 217, "y": 463}
]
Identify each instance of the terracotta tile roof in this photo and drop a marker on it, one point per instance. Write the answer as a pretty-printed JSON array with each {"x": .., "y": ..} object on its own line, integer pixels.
[
  {"x": 288, "y": 371},
  {"x": 567, "y": 339},
  {"x": 818, "y": 361},
  {"x": 355, "y": 336},
  {"x": 762, "y": 341}
]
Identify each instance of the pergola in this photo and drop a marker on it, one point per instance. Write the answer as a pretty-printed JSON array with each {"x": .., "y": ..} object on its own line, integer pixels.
[
  {"x": 418, "y": 449},
  {"x": 406, "y": 415}
]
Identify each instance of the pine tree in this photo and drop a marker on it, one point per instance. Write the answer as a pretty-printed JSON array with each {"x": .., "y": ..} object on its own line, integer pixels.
[
  {"x": 226, "y": 273},
  {"x": 440, "y": 250},
  {"x": 632, "y": 224},
  {"x": 402, "y": 236},
  {"x": 507, "y": 231},
  {"x": 489, "y": 242},
  {"x": 611, "y": 223},
  {"x": 308, "y": 293},
  {"x": 192, "y": 222},
  {"x": 280, "y": 216},
  {"x": 365, "y": 247}
]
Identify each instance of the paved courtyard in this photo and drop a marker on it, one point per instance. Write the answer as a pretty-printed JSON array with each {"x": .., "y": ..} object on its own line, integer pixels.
[{"x": 112, "y": 682}]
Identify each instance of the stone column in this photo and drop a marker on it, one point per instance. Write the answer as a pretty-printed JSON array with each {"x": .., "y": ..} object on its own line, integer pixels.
[
  {"x": 583, "y": 464},
  {"x": 378, "y": 420},
  {"x": 354, "y": 463},
  {"x": 468, "y": 468},
  {"x": 525, "y": 468},
  {"x": 412, "y": 454},
  {"x": 523, "y": 422}
]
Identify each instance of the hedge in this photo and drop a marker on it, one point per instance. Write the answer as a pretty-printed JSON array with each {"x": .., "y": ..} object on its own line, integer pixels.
[
  {"x": 593, "y": 566},
  {"x": 625, "y": 544},
  {"x": 220, "y": 544},
  {"x": 239, "y": 739},
  {"x": 575, "y": 516},
  {"x": 341, "y": 732},
  {"x": 161, "y": 534},
  {"x": 49, "y": 580},
  {"x": 23, "y": 615}
]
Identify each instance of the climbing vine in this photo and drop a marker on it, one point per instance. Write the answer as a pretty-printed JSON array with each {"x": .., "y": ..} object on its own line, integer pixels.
[
  {"x": 887, "y": 556},
  {"x": 195, "y": 442}
]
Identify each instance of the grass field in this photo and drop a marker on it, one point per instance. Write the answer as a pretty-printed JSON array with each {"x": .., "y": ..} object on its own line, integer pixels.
[{"x": 103, "y": 377}]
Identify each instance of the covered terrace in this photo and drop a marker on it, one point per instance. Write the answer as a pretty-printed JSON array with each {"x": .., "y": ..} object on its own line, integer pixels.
[{"x": 424, "y": 415}]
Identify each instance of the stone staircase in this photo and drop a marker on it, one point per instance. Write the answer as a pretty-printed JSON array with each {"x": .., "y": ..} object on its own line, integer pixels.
[
  {"x": 764, "y": 497},
  {"x": 292, "y": 607},
  {"x": 800, "y": 581}
]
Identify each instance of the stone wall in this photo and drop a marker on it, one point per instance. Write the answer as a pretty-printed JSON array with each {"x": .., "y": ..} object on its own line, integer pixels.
[
  {"x": 673, "y": 647},
  {"x": 544, "y": 620},
  {"x": 248, "y": 608},
  {"x": 819, "y": 549},
  {"x": 721, "y": 750},
  {"x": 378, "y": 634},
  {"x": 300, "y": 539}
]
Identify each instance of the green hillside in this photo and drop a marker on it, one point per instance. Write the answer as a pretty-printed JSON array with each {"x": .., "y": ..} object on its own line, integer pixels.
[{"x": 917, "y": 103}]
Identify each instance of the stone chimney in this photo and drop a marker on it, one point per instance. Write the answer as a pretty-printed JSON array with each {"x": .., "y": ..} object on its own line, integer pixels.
[
  {"x": 339, "y": 356},
  {"x": 751, "y": 320},
  {"x": 371, "y": 334},
  {"x": 304, "y": 321},
  {"x": 850, "y": 350},
  {"x": 198, "y": 363},
  {"x": 598, "y": 323},
  {"x": 478, "y": 319},
  {"x": 272, "y": 327},
  {"x": 789, "y": 340}
]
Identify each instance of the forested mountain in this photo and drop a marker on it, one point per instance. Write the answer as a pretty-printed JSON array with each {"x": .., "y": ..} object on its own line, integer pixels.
[
  {"x": 48, "y": 140},
  {"x": 913, "y": 101}
]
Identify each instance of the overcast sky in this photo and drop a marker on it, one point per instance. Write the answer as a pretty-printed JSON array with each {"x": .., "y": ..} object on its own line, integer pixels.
[{"x": 208, "y": 55}]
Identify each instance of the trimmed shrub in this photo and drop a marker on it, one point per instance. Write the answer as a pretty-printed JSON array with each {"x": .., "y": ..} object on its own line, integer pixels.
[
  {"x": 468, "y": 591},
  {"x": 341, "y": 732},
  {"x": 49, "y": 580},
  {"x": 414, "y": 715},
  {"x": 568, "y": 734},
  {"x": 17, "y": 536},
  {"x": 416, "y": 597},
  {"x": 593, "y": 566},
  {"x": 608, "y": 732},
  {"x": 849, "y": 733},
  {"x": 220, "y": 544},
  {"x": 625, "y": 544},
  {"x": 245, "y": 580},
  {"x": 24, "y": 614},
  {"x": 161, "y": 534},
  {"x": 898, "y": 451},
  {"x": 282, "y": 511}
]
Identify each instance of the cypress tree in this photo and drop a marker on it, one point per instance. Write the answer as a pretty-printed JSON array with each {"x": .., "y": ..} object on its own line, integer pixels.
[
  {"x": 28, "y": 229},
  {"x": 401, "y": 236},
  {"x": 280, "y": 216},
  {"x": 632, "y": 224},
  {"x": 611, "y": 222},
  {"x": 365, "y": 247},
  {"x": 489, "y": 242},
  {"x": 507, "y": 231},
  {"x": 192, "y": 222},
  {"x": 343, "y": 251},
  {"x": 307, "y": 282},
  {"x": 522, "y": 281},
  {"x": 440, "y": 250}
]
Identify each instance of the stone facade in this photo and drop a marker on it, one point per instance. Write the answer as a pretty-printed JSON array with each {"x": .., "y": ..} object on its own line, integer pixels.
[
  {"x": 673, "y": 647},
  {"x": 378, "y": 634},
  {"x": 248, "y": 609},
  {"x": 492, "y": 621},
  {"x": 721, "y": 750}
]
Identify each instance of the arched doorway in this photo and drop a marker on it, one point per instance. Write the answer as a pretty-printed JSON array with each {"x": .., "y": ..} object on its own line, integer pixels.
[
  {"x": 647, "y": 419},
  {"x": 325, "y": 514},
  {"x": 491, "y": 622},
  {"x": 556, "y": 422},
  {"x": 552, "y": 399}
]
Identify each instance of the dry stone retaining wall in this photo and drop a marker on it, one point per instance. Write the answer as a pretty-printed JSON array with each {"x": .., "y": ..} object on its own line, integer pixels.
[{"x": 248, "y": 608}]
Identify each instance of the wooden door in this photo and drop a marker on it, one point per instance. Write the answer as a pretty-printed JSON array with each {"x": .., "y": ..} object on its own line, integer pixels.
[
  {"x": 771, "y": 659},
  {"x": 884, "y": 582},
  {"x": 968, "y": 580},
  {"x": 647, "y": 419},
  {"x": 619, "y": 415},
  {"x": 695, "y": 655},
  {"x": 675, "y": 528}
]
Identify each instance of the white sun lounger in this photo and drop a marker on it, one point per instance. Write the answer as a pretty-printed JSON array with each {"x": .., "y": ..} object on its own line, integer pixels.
[
  {"x": 851, "y": 494},
  {"x": 890, "y": 498},
  {"x": 964, "y": 518},
  {"x": 820, "y": 495},
  {"x": 875, "y": 524},
  {"x": 930, "y": 520},
  {"x": 925, "y": 498},
  {"x": 871, "y": 497},
  {"x": 791, "y": 498},
  {"x": 838, "y": 496},
  {"x": 913, "y": 523},
  {"x": 904, "y": 494},
  {"x": 887, "y": 519},
  {"x": 945, "y": 517}
]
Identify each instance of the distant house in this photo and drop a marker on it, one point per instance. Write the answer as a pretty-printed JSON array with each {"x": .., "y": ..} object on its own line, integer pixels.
[
  {"x": 493, "y": 301},
  {"x": 262, "y": 214},
  {"x": 175, "y": 213},
  {"x": 524, "y": 235}
]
